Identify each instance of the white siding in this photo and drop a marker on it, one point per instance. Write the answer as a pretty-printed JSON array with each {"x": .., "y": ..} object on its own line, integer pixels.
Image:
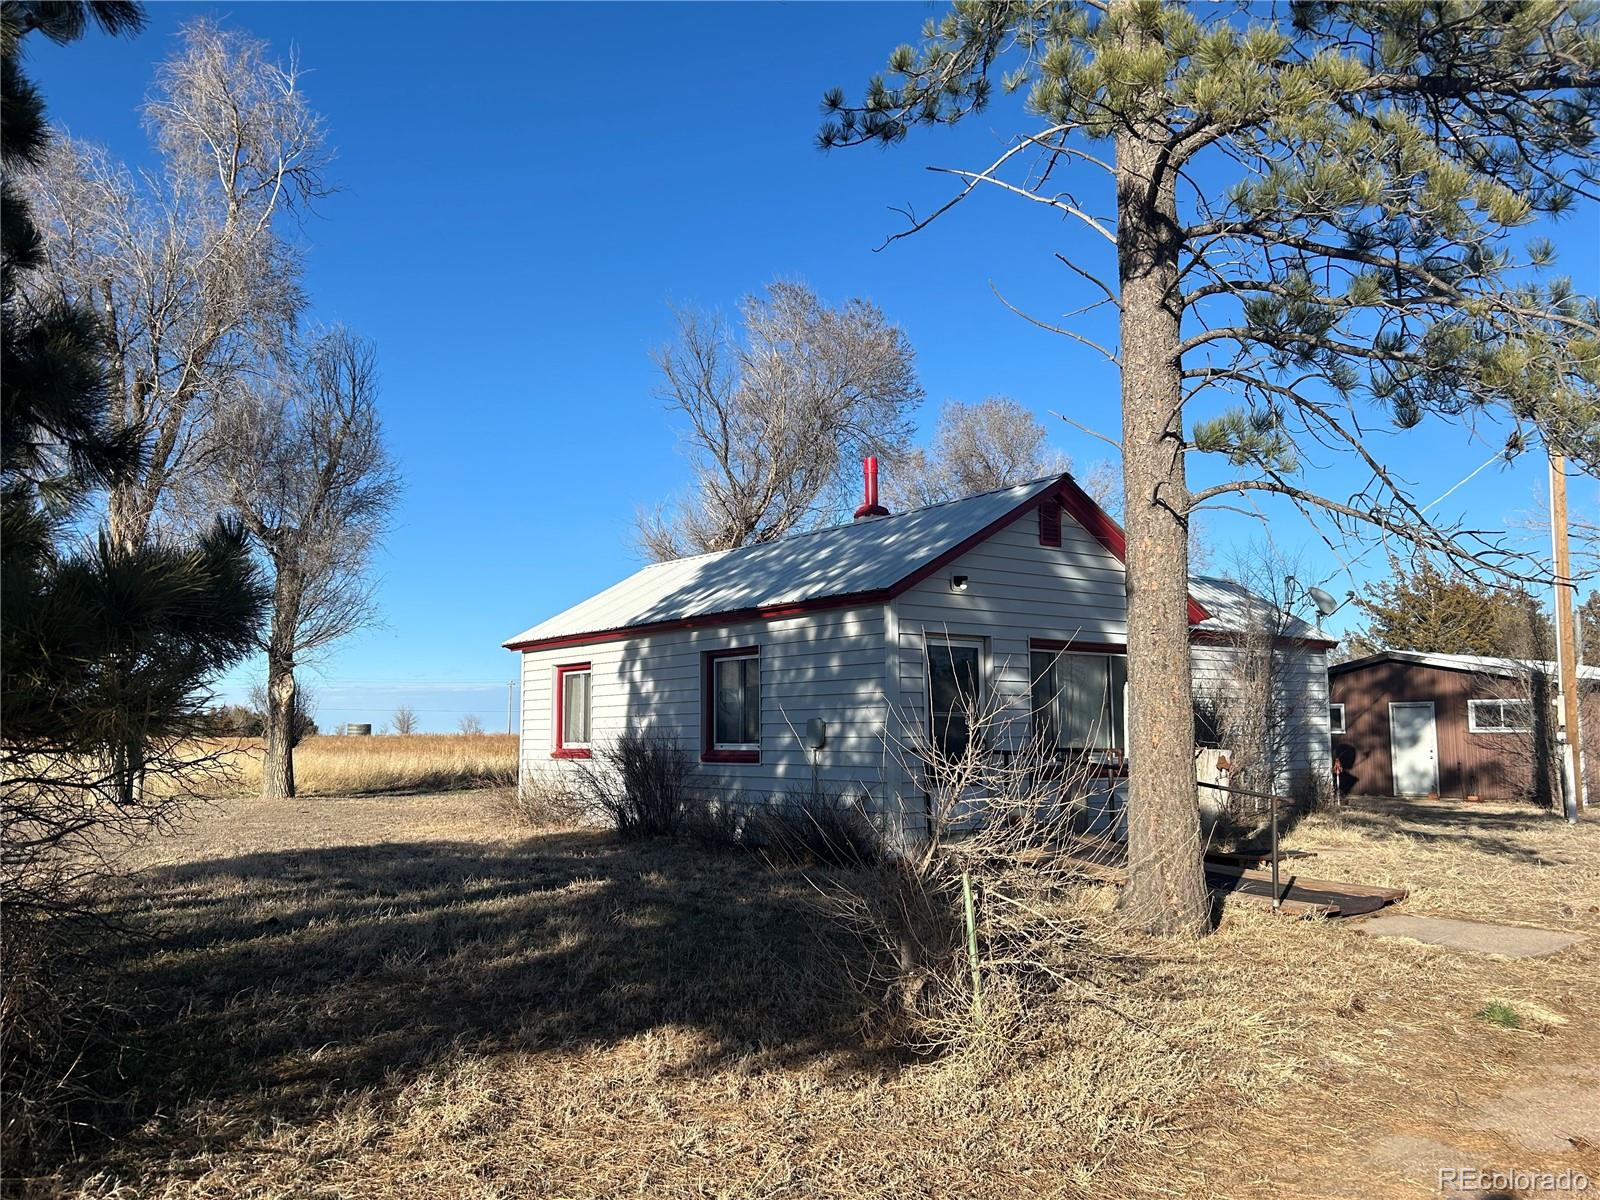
[
  {"x": 863, "y": 670},
  {"x": 827, "y": 664},
  {"x": 1016, "y": 590},
  {"x": 1301, "y": 674}
]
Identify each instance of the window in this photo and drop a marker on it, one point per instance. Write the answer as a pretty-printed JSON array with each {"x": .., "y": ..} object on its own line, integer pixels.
[
  {"x": 955, "y": 674},
  {"x": 1500, "y": 716},
  {"x": 1335, "y": 718},
  {"x": 732, "y": 706},
  {"x": 1078, "y": 700},
  {"x": 572, "y": 711}
]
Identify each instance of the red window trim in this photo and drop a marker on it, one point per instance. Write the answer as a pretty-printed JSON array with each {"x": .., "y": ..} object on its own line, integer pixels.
[
  {"x": 1078, "y": 647},
  {"x": 1105, "y": 649},
  {"x": 562, "y": 671},
  {"x": 708, "y": 751}
]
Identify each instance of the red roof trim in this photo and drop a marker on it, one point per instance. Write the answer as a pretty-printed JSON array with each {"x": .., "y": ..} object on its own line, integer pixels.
[
  {"x": 1078, "y": 503},
  {"x": 770, "y": 612},
  {"x": 1108, "y": 533}
]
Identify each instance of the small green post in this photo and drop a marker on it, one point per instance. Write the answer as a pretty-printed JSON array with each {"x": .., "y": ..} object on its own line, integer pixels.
[{"x": 972, "y": 944}]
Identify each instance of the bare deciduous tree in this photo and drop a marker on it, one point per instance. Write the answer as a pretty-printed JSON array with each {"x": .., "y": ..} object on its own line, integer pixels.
[
  {"x": 301, "y": 459},
  {"x": 405, "y": 719},
  {"x": 185, "y": 264},
  {"x": 470, "y": 725},
  {"x": 776, "y": 414},
  {"x": 976, "y": 448}
]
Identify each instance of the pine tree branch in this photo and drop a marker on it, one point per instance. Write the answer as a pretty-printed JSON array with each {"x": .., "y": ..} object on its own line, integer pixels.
[{"x": 1110, "y": 355}]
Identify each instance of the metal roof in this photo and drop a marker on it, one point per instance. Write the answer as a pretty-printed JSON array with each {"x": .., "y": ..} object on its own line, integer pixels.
[
  {"x": 864, "y": 561},
  {"x": 1236, "y": 609},
  {"x": 1476, "y": 664},
  {"x": 864, "y": 556}
]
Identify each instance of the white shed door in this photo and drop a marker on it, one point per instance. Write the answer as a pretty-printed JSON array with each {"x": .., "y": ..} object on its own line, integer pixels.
[{"x": 1414, "y": 748}]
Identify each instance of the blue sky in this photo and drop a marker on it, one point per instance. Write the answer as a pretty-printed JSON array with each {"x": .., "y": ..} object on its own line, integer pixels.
[{"x": 526, "y": 189}]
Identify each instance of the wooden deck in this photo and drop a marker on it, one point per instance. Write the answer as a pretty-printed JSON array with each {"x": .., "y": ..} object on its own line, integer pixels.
[{"x": 1299, "y": 895}]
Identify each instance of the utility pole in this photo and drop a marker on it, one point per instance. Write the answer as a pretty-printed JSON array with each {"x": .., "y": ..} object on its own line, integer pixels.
[
  {"x": 1569, "y": 730},
  {"x": 511, "y": 691}
]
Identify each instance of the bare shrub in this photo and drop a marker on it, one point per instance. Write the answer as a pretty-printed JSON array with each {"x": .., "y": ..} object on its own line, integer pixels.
[
  {"x": 714, "y": 824},
  {"x": 640, "y": 784},
  {"x": 817, "y": 827},
  {"x": 1009, "y": 840},
  {"x": 543, "y": 800}
]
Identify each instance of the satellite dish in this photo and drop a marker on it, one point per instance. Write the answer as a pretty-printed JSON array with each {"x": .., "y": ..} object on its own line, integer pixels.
[{"x": 1326, "y": 604}]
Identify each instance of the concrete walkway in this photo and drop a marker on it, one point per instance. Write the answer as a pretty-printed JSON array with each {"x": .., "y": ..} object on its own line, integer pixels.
[{"x": 1472, "y": 937}]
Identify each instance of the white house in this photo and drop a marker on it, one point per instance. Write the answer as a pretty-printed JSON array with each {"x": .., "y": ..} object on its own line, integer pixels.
[{"x": 888, "y": 622}]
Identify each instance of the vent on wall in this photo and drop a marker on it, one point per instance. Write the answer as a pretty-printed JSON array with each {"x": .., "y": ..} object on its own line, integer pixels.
[{"x": 1050, "y": 523}]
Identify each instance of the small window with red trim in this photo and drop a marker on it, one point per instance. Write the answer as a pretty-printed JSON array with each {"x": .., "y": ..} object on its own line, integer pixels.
[
  {"x": 1050, "y": 523},
  {"x": 572, "y": 710},
  {"x": 732, "y": 705}
]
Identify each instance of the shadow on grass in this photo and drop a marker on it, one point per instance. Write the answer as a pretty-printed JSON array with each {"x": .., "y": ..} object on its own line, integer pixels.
[
  {"x": 1466, "y": 825},
  {"x": 279, "y": 982}
]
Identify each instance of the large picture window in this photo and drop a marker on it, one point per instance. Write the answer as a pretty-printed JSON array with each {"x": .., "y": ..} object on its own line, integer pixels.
[
  {"x": 1500, "y": 716},
  {"x": 732, "y": 706},
  {"x": 1078, "y": 700},
  {"x": 955, "y": 688},
  {"x": 572, "y": 710}
]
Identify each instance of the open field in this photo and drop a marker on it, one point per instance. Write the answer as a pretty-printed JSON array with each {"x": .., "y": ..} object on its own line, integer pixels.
[
  {"x": 409, "y": 996},
  {"x": 417, "y": 762}
]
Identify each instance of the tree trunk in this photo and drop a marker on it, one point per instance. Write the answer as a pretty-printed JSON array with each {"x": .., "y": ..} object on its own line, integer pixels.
[
  {"x": 128, "y": 516},
  {"x": 277, "y": 767},
  {"x": 1166, "y": 891}
]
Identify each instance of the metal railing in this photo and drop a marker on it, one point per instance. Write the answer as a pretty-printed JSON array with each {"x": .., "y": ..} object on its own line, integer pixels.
[{"x": 1277, "y": 899}]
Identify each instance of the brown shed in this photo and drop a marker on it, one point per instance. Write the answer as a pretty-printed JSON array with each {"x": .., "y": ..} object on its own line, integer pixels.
[{"x": 1459, "y": 725}]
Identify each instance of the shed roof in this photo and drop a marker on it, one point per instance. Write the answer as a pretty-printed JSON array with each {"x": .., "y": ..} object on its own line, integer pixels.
[
  {"x": 1476, "y": 664},
  {"x": 860, "y": 562}
]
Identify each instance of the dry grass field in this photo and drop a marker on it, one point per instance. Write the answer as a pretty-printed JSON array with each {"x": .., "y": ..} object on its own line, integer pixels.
[
  {"x": 418, "y": 762},
  {"x": 410, "y": 996}
]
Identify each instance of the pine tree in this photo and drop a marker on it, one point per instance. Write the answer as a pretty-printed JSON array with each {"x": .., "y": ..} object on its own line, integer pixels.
[
  {"x": 1314, "y": 216},
  {"x": 1428, "y": 610},
  {"x": 106, "y": 651}
]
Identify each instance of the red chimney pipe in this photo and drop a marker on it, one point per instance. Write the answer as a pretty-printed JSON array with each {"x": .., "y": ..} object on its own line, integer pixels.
[{"x": 871, "y": 507}]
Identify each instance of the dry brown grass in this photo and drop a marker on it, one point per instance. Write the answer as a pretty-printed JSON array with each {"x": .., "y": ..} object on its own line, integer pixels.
[
  {"x": 418, "y": 762},
  {"x": 1456, "y": 859},
  {"x": 406, "y": 997}
]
